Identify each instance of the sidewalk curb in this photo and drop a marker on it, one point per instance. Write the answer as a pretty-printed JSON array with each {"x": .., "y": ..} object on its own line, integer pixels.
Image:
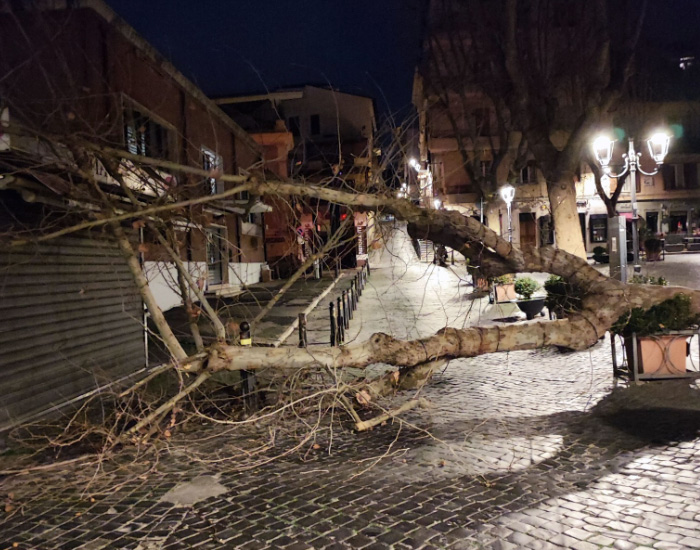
[{"x": 291, "y": 328}]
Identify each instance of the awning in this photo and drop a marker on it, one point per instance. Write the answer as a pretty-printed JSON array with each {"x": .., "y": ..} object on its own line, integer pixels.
[{"x": 241, "y": 207}]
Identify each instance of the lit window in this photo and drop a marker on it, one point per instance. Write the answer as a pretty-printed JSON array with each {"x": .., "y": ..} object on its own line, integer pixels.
[
  {"x": 686, "y": 62},
  {"x": 599, "y": 228}
]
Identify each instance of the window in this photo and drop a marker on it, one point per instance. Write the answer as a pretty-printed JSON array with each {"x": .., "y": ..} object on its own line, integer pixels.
[
  {"x": 626, "y": 185},
  {"x": 315, "y": 125},
  {"x": 144, "y": 136},
  {"x": 361, "y": 239},
  {"x": 484, "y": 167},
  {"x": 210, "y": 162},
  {"x": 529, "y": 173},
  {"x": 652, "y": 222},
  {"x": 680, "y": 176},
  {"x": 599, "y": 228},
  {"x": 294, "y": 127},
  {"x": 686, "y": 62}
]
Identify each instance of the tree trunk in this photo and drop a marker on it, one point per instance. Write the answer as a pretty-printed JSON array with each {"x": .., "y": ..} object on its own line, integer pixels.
[
  {"x": 567, "y": 228},
  {"x": 492, "y": 215}
]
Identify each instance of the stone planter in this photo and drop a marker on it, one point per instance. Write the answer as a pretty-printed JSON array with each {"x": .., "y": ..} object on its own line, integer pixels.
[
  {"x": 505, "y": 293},
  {"x": 658, "y": 356},
  {"x": 531, "y": 307}
]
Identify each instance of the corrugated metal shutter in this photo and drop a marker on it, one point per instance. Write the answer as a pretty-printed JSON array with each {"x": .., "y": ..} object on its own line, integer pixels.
[{"x": 71, "y": 320}]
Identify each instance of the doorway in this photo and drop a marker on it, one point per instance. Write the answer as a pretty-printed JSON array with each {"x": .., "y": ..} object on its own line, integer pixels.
[
  {"x": 528, "y": 230},
  {"x": 652, "y": 219},
  {"x": 216, "y": 241}
]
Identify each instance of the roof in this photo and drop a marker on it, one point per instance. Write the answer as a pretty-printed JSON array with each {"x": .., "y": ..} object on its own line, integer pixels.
[
  {"x": 282, "y": 94},
  {"x": 111, "y": 17}
]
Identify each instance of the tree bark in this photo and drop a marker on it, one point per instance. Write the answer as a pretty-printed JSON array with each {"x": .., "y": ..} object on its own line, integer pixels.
[{"x": 567, "y": 228}]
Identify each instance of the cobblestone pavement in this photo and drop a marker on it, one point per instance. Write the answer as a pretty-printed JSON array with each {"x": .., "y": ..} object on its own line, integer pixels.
[{"x": 532, "y": 449}]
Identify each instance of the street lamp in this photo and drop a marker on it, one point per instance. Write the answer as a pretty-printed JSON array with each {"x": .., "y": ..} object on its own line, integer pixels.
[
  {"x": 507, "y": 194},
  {"x": 658, "y": 148}
]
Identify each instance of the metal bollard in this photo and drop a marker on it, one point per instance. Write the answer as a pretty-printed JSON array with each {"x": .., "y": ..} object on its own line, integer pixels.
[
  {"x": 358, "y": 285},
  {"x": 302, "y": 330},
  {"x": 250, "y": 395},
  {"x": 346, "y": 310},
  {"x": 341, "y": 322},
  {"x": 367, "y": 266},
  {"x": 353, "y": 294},
  {"x": 334, "y": 329},
  {"x": 351, "y": 304}
]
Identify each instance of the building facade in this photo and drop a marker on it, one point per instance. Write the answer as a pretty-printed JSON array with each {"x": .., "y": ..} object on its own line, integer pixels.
[
  {"x": 333, "y": 144},
  {"x": 76, "y": 76}
]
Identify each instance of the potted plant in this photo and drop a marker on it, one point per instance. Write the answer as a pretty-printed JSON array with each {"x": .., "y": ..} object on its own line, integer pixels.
[
  {"x": 600, "y": 255},
  {"x": 653, "y": 248},
  {"x": 526, "y": 287},
  {"x": 645, "y": 280},
  {"x": 503, "y": 288},
  {"x": 654, "y": 336},
  {"x": 562, "y": 297}
]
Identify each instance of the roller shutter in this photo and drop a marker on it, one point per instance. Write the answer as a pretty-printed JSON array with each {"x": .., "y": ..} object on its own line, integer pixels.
[{"x": 71, "y": 320}]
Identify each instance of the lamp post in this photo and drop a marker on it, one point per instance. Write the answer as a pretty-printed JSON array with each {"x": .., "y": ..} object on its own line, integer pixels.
[
  {"x": 507, "y": 194},
  {"x": 658, "y": 148}
]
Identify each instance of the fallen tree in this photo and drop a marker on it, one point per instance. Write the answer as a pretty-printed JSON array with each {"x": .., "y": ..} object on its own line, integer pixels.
[{"x": 604, "y": 301}]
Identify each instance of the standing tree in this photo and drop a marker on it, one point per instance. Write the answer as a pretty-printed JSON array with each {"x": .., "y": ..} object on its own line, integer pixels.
[{"x": 548, "y": 72}]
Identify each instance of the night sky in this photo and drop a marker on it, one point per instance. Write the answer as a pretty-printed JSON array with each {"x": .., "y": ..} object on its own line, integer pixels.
[{"x": 368, "y": 47}]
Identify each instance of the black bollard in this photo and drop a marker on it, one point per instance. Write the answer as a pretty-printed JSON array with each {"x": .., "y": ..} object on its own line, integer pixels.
[
  {"x": 346, "y": 310},
  {"x": 334, "y": 329},
  {"x": 250, "y": 394},
  {"x": 367, "y": 266},
  {"x": 351, "y": 305},
  {"x": 341, "y": 322},
  {"x": 353, "y": 294},
  {"x": 302, "y": 330},
  {"x": 358, "y": 285}
]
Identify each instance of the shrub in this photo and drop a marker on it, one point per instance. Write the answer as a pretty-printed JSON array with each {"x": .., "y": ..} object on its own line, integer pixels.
[
  {"x": 671, "y": 314},
  {"x": 644, "y": 280},
  {"x": 562, "y": 296},
  {"x": 502, "y": 280},
  {"x": 526, "y": 287},
  {"x": 600, "y": 255}
]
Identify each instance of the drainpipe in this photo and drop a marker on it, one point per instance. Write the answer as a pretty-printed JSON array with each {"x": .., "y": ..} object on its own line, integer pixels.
[{"x": 264, "y": 236}]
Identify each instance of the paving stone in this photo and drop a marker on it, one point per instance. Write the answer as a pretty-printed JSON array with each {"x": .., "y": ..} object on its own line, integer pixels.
[
  {"x": 537, "y": 451},
  {"x": 601, "y": 540},
  {"x": 663, "y": 545},
  {"x": 578, "y": 534}
]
